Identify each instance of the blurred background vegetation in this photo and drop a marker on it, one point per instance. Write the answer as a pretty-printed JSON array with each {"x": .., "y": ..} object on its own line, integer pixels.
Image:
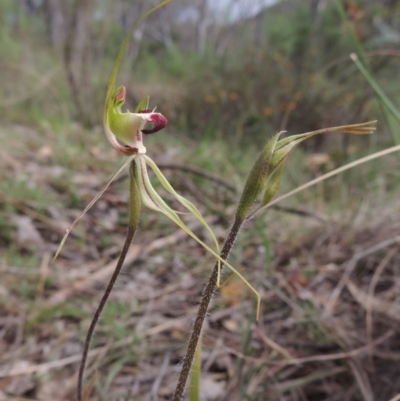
[
  {"x": 210, "y": 72},
  {"x": 227, "y": 76}
]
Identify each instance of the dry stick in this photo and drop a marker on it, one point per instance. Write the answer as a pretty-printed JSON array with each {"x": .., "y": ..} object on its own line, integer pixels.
[
  {"x": 362, "y": 381},
  {"x": 351, "y": 264},
  {"x": 32, "y": 213},
  {"x": 132, "y": 227},
  {"x": 301, "y": 211},
  {"x": 369, "y": 306},
  {"x": 45, "y": 367},
  {"x": 203, "y": 308},
  {"x": 193, "y": 170},
  {"x": 218, "y": 180},
  {"x": 134, "y": 253},
  {"x": 161, "y": 374}
]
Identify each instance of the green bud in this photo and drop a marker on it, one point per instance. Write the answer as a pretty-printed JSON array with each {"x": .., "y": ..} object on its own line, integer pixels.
[
  {"x": 257, "y": 179},
  {"x": 273, "y": 182},
  {"x": 286, "y": 145},
  {"x": 267, "y": 170}
]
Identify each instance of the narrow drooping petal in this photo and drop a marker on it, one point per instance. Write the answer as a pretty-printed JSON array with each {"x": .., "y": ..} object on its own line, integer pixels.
[
  {"x": 92, "y": 202},
  {"x": 151, "y": 199},
  {"x": 183, "y": 201}
]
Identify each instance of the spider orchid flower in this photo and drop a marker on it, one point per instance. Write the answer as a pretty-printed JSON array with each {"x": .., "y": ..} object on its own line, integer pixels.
[
  {"x": 129, "y": 129},
  {"x": 124, "y": 131}
]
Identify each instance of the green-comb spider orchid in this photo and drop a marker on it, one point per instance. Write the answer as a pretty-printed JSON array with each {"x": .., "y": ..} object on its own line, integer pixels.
[{"x": 125, "y": 131}]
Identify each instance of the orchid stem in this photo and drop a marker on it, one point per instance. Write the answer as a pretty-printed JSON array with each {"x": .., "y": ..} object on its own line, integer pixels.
[
  {"x": 203, "y": 308},
  {"x": 134, "y": 214}
]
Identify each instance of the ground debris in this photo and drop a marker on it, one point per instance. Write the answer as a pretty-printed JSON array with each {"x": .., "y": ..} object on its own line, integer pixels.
[{"x": 330, "y": 295}]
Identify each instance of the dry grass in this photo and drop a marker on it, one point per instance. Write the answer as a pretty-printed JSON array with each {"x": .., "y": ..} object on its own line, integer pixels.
[{"x": 329, "y": 328}]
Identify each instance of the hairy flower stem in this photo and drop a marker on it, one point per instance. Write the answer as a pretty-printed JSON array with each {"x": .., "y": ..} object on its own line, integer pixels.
[
  {"x": 134, "y": 214},
  {"x": 203, "y": 308}
]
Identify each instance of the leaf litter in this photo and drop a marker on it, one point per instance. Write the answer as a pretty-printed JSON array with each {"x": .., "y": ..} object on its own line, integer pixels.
[{"x": 313, "y": 340}]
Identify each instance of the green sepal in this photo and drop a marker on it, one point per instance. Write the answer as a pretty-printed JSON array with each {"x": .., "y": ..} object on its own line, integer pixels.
[
  {"x": 285, "y": 146},
  {"x": 122, "y": 124},
  {"x": 258, "y": 178},
  {"x": 273, "y": 182},
  {"x": 143, "y": 104},
  {"x": 115, "y": 102}
]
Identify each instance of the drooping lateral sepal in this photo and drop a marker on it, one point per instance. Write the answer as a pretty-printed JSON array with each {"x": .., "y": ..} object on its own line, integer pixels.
[{"x": 273, "y": 182}]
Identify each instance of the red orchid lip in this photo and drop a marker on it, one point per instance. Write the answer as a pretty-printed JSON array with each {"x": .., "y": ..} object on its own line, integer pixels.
[{"x": 158, "y": 120}]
